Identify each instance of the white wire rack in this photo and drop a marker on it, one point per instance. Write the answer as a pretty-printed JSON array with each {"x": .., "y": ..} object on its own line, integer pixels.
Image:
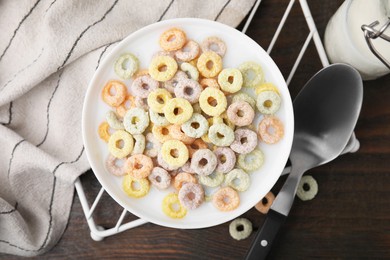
[{"x": 98, "y": 233}]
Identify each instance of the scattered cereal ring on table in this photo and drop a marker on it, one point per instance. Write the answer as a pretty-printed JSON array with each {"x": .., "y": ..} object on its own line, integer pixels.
[
  {"x": 214, "y": 44},
  {"x": 190, "y": 70},
  {"x": 226, "y": 199},
  {"x": 270, "y": 130},
  {"x": 104, "y": 131},
  {"x": 265, "y": 203},
  {"x": 178, "y": 134},
  {"x": 188, "y": 52},
  {"x": 138, "y": 166},
  {"x": 172, "y": 207},
  {"x": 196, "y": 145},
  {"x": 240, "y": 113},
  {"x": 143, "y": 85},
  {"x": 230, "y": 80},
  {"x": 203, "y": 162},
  {"x": 126, "y": 65},
  {"x": 252, "y": 73},
  {"x": 188, "y": 89},
  {"x": 196, "y": 126},
  {"x": 240, "y": 228},
  {"x": 178, "y": 110},
  {"x": 174, "y": 152},
  {"x": 243, "y": 180},
  {"x": 182, "y": 178},
  {"x": 152, "y": 146},
  {"x": 126, "y": 105},
  {"x": 251, "y": 161},
  {"x": 114, "y": 144},
  {"x": 139, "y": 144},
  {"x": 245, "y": 141},
  {"x": 221, "y": 135},
  {"x": 114, "y": 93},
  {"x": 112, "y": 166},
  {"x": 157, "y": 99},
  {"x": 244, "y": 97},
  {"x": 173, "y": 39},
  {"x": 160, "y": 178},
  {"x": 268, "y": 102},
  {"x": 136, "y": 121},
  {"x": 213, "y": 180},
  {"x": 129, "y": 185},
  {"x": 171, "y": 84},
  {"x": 162, "y": 68},
  {"x": 191, "y": 195},
  {"x": 209, "y": 64},
  {"x": 158, "y": 119},
  {"x": 161, "y": 133},
  {"x": 307, "y": 188},
  {"x": 226, "y": 159},
  {"x": 212, "y": 101},
  {"x": 113, "y": 121}
]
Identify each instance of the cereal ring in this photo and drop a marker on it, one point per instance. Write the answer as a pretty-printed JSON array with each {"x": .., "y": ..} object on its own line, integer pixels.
[
  {"x": 244, "y": 97},
  {"x": 196, "y": 145},
  {"x": 268, "y": 86},
  {"x": 245, "y": 141},
  {"x": 252, "y": 74},
  {"x": 212, "y": 101},
  {"x": 268, "y": 102},
  {"x": 178, "y": 134},
  {"x": 190, "y": 70},
  {"x": 242, "y": 177},
  {"x": 196, "y": 126},
  {"x": 161, "y": 162},
  {"x": 160, "y": 178},
  {"x": 230, "y": 80},
  {"x": 174, "y": 152},
  {"x": 189, "y": 51},
  {"x": 307, "y": 188},
  {"x": 141, "y": 103},
  {"x": 126, "y": 65},
  {"x": 115, "y": 141},
  {"x": 171, "y": 206},
  {"x": 209, "y": 64},
  {"x": 129, "y": 187},
  {"x": 214, "y": 44},
  {"x": 136, "y": 121},
  {"x": 178, "y": 110},
  {"x": 139, "y": 73},
  {"x": 188, "y": 89},
  {"x": 265, "y": 203},
  {"x": 172, "y": 39},
  {"x": 191, "y": 195},
  {"x": 139, "y": 144},
  {"x": 113, "y": 121},
  {"x": 152, "y": 146},
  {"x": 120, "y": 92},
  {"x": 171, "y": 84},
  {"x": 104, "y": 132},
  {"x": 143, "y": 85},
  {"x": 212, "y": 121},
  {"x": 226, "y": 159},
  {"x": 240, "y": 113},
  {"x": 226, "y": 199},
  {"x": 162, "y": 68},
  {"x": 112, "y": 165},
  {"x": 203, "y": 162},
  {"x": 251, "y": 161},
  {"x": 270, "y": 130},
  {"x": 157, "y": 99},
  {"x": 209, "y": 83},
  {"x": 240, "y": 228},
  {"x": 213, "y": 180},
  {"x": 158, "y": 119},
  {"x": 126, "y": 105},
  {"x": 187, "y": 167},
  {"x": 221, "y": 135},
  {"x": 138, "y": 166},
  {"x": 182, "y": 178},
  {"x": 226, "y": 120},
  {"x": 161, "y": 133}
]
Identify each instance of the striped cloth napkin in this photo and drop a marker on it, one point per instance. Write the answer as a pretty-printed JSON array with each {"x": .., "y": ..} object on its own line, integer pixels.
[{"x": 49, "y": 50}]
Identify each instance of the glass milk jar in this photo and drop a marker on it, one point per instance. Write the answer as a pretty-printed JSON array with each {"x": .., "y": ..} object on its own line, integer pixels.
[{"x": 344, "y": 38}]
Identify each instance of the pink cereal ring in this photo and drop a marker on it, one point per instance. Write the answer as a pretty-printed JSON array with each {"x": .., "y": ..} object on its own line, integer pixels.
[
  {"x": 188, "y": 89},
  {"x": 214, "y": 44},
  {"x": 112, "y": 165},
  {"x": 226, "y": 159},
  {"x": 270, "y": 130},
  {"x": 240, "y": 113},
  {"x": 160, "y": 178},
  {"x": 143, "y": 85},
  {"x": 138, "y": 166},
  {"x": 204, "y": 162},
  {"x": 191, "y": 195},
  {"x": 189, "y": 51},
  {"x": 245, "y": 141},
  {"x": 171, "y": 84}
]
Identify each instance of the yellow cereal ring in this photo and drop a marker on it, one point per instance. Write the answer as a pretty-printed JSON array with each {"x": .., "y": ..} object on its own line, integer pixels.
[
  {"x": 116, "y": 99},
  {"x": 178, "y": 110},
  {"x": 209, "y": 64},
  {"x": 157, "y": 99},
  {"x": 168, "y": 206},
  {"x": 173, "y": 39},
  {"x": 129, "y": 187},
  {"x": 268, "y": 86},
  {"x": 161, "y": 133},
  {"x": 230, "y": 80},
  {"x": 103, "y": 131},
  {"x": 162, "y": 68},
  {"x": 212, "y": 101},
  {"x": 114, "y": 144},
  {"x": 175, "y": 153}
]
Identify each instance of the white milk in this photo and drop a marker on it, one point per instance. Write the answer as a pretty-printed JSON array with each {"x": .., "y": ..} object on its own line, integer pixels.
[{"x": 344, "y": 39}]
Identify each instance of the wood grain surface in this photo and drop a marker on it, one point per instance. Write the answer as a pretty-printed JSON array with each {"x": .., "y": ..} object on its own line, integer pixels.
[{"x": 348, "y": 219}]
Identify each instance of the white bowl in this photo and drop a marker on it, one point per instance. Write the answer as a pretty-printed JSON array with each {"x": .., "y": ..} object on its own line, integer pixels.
[{"x": 144, "y": 43}]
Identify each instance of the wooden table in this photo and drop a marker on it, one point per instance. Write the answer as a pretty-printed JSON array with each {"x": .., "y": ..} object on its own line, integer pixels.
[{"x": 349, "y": 217}]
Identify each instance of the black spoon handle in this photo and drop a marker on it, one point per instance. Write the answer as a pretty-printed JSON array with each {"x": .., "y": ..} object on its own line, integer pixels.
[{"x": 265, "y": 237}]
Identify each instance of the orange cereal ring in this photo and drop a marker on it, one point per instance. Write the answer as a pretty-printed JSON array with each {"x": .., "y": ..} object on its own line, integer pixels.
[
  {"x": 162, "y": 68},
  {"x": 206, "y": 83},
  {"x": 209, "y": 64},
  {"x": 138, "y": 166},
  {"x": 174, "y": 152},
  {"x": 178, "y": 134},
  {"x": 270, "y": 130},
  {"x": 182, "y": 178},
  {"x": 195, "y": 146},
  {"x": 226, "y": 199},
  {"x": 126, "y": 105},
  {"x": 103, "y": 131},
  {"x": 265, "y": 203},
  {"x": 161, "y": 133},
  {"x": 114, "y": 93},
  {"x": 172, "y": 39}
]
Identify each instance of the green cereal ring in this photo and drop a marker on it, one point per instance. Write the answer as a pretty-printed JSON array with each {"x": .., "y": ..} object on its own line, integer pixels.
[
  {"x": 114, "y": 144},
  {"x": 126, "y": 65},
  {"x": 221, "y": 135},
  {"x": 308, "y": 188},
  {"x": 136, "y": 121},
  {"x": 113, "y": 121},
  {"x": 240, "y": 228},
  {"x": 268, "y": 102},
  {"x": 243, "y": 180},
  {"x": 230, "y": 80},
  {"x": 157, "y": 99},
  {"x": 252, "y": 73},
  {"x": 212, "y": 180},
  {"x": 251, "y": 161},
  {"x": 196, "y": 126},
  {"x": 244, "y": 97},
  {"x": 191, "y": 70},
  {"x": 139, "y": 144},
  {"x": 178, "y": 110},
  {"x": 158, "y": 119}
]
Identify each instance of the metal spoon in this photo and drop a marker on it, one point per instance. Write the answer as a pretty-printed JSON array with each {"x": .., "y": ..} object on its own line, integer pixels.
[{"x": 325, "y": 111}]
